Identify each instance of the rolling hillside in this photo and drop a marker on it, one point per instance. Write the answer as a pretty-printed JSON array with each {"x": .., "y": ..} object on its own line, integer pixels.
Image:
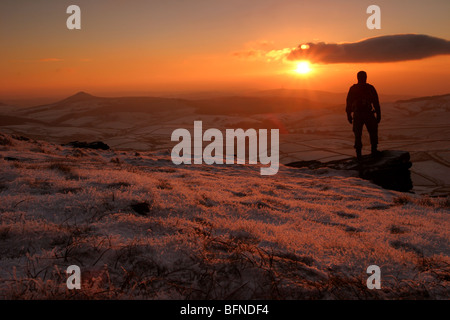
[{"x": 312, "y": 127}]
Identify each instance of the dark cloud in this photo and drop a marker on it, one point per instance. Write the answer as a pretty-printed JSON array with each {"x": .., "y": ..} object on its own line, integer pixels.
[{"x": 391, "y": 48}]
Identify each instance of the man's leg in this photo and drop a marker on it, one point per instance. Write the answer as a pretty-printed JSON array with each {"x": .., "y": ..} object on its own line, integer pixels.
[
  {"x": 358, "y": 123},
  {"x": 372, "y": 127}
]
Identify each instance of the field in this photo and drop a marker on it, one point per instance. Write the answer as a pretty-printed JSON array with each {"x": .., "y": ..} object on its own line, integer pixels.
[{"x": 311, "y": 128}]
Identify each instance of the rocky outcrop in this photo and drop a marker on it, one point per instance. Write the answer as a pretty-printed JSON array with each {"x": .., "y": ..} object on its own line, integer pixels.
[
  {"x": 390, "y": 169},
  {"x": 98, "y": 145}
]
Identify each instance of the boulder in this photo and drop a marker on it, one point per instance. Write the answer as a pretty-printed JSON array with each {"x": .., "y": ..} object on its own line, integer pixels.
[
  {"x": 389, "y": 169},
  {"x": 142, "y": 208},
  {"x": 98, "y": 145}
]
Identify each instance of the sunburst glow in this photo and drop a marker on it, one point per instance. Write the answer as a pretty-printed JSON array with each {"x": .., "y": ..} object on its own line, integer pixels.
[{"x": 303, "y": 67}]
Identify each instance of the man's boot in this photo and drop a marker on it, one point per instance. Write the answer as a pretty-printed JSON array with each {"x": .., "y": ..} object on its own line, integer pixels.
[
  {"x": 358, "y": 155},
  {"x": 375, "y": 152}
]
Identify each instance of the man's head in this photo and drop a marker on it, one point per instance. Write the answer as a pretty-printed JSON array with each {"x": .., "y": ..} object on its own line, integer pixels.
[{"x": 362, "y": 77}]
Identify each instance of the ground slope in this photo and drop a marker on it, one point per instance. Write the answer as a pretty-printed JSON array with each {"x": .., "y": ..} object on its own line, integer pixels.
[{"x": 140, "y": 227}]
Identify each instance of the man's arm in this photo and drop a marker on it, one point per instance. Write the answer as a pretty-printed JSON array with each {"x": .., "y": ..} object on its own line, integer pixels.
[
  {"x": 348, "y": 108},
  {"x": 376, "y": 104}
]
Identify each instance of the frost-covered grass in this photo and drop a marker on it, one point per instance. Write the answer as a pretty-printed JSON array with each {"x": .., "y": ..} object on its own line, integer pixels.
[{"x": 140, "y": 227}]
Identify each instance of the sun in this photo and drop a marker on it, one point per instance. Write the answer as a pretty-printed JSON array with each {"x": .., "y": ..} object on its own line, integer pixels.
[{"x": 303, "y": 67}]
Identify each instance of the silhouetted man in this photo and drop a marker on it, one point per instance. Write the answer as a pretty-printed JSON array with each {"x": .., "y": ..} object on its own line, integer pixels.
[{"x": 362, "y": 102}]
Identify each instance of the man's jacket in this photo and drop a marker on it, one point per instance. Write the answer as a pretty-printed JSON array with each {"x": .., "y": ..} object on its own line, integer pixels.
[{"x": 362, "y": 98}]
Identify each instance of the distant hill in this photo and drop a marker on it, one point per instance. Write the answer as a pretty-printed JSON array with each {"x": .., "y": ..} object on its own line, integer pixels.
[
  {"x": 334, "y": 98},
  {"x": 312, "y": 95},
  {"x": 255, "y": 105},
  {"x": 117, "y": 104},
  {"x": 309, "y": 129},
  {"x": 83, "y": 105},
  {"x": 80, "y": 96},
  {"x": 6, "y": 120},
  {"x": 427, "y": 98}
]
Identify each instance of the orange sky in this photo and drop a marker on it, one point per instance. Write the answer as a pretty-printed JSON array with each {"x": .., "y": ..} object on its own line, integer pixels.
[{"x": 154, "y": 46}]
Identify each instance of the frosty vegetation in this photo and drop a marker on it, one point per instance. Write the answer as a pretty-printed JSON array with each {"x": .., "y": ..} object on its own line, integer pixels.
[{"x": 141, "y": 227}]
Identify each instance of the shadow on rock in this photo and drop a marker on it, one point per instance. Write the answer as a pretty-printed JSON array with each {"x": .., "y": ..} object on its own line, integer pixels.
[{"x": 389, "y": 169}]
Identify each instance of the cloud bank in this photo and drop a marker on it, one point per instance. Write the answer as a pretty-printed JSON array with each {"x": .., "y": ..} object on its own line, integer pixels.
[
  {"x": 401, "y": 47},
  {"x": 258, "y": 54}
]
